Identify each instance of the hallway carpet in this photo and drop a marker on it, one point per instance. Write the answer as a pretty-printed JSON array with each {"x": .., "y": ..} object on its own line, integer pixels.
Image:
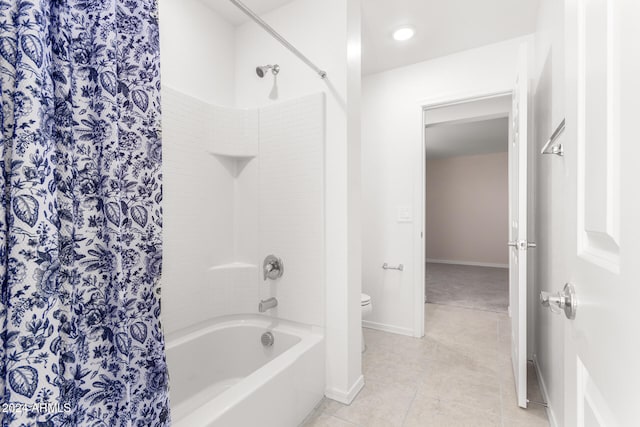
[{"x": 479, "y": 288}]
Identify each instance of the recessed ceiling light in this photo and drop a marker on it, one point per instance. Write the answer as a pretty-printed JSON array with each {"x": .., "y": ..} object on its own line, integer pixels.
[{"x": 403, "y": 33}]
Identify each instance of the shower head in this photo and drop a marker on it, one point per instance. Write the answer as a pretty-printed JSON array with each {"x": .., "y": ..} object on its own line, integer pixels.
[{"x": 262, "y": 70}]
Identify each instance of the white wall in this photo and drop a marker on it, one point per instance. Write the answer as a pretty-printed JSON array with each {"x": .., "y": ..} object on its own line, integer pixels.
[
  {"x": 198, "y": 60},
  {"x": 197, "y": 47},
  {"x": 392, "y": 152},
  {"x": 551, "y": 265},
  {"x": 467, "y": 209},
  {"x": 328, "y": 33}
]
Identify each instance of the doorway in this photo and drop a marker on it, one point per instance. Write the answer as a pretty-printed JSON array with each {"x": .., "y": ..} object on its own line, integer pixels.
[
  {"x": 466, "y": 203},
  {"x": 518, "y": 200}
]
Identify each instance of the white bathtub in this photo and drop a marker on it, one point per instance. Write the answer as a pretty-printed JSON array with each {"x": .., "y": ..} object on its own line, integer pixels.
[{"x": 221, "y": 375}]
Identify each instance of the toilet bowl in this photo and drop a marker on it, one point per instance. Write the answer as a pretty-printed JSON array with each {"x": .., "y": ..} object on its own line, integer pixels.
[{"x": 365, "y": 305}]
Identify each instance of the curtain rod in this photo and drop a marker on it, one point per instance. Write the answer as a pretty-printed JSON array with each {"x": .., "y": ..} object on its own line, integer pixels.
[{"x": 282, "y": 40}]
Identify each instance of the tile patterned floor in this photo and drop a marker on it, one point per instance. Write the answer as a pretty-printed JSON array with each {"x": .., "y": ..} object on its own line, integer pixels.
[{"x": 459, "y": 374}]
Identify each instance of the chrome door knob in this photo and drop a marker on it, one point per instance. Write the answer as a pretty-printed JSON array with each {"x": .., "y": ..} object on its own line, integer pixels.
[
  {"x": 561, "y": 301},
  {"x": 521, "y": 244}
]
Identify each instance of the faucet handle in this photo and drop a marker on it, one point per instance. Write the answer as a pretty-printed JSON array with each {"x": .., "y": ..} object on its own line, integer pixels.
[{"x": 272, "y": 267}]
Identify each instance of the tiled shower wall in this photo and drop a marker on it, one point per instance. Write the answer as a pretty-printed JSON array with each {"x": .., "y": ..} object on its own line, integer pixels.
[
  {"x": 291, "y": 199},
  {"x": 240, "y": 184},
  {"x": 199, "y": 212}
]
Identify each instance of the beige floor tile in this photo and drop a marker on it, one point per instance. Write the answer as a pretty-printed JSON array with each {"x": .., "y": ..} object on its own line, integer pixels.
[
  {"x": 473, "y": 358},
  {"x": 504, "y": 346},
  {"x": 460, "y": 374},
  {"x": 459, "y": 362},
  {"x": 465, "y": 387},
  {"x": 437, "y": 315},
  {"x": 470, "y": 342},
  {"x": 399, "y": 361},
  {"x": 328, "y": 406},
  {"x": 378, "y": 404},
  {"x": 534, "y": 422},
  {"x": 526, "y": 418},
  {"x": 393, "y": 368},
  {"x": 505, "y": 370},
  {"x": 437, "y": 413},
  {"x": 468, "y": 330},
  {"x": 504, "y": 326},
  {"x": 378, "y": 340},
  {"x": 328, "y": 421},
  {"x": 483, "y": 335}
]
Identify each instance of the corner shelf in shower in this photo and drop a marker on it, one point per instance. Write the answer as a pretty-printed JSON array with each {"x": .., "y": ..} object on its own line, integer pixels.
[
  {"x": 233, "y": 162},
  {"x": 233, "y": 266}
]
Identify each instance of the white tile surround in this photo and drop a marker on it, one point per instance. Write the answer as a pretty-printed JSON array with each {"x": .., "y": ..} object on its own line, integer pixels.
[
  {"x": 211, "y": 59},
  {"x": 232, "y": 131},
  {"x": 292, "y": 205},
  {"x": 254, "y": 206},
  {"x": 196, "y": 182}
]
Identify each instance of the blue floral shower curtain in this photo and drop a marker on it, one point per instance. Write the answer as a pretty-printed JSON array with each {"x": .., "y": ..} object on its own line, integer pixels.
[{"x": 80, "y": 214}]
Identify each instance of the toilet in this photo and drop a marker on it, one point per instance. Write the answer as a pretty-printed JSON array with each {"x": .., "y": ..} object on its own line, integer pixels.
[{"x": 365, "y": 304}]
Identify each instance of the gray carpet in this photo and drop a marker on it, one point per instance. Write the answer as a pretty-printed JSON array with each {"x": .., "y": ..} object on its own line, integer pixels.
[{"x": 480, "y": 288}]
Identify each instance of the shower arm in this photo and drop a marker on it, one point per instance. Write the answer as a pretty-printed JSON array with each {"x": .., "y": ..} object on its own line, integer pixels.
[{"x": 277, "y": 36}]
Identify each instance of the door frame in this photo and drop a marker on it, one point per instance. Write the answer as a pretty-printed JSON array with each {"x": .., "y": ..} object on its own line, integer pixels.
[{"x": 420, "y": 235}]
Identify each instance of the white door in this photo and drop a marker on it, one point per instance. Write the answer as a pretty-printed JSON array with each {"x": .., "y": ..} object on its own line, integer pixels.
[
  {"x": 602, "y": 343},
  {"x": 518, "y": 229}
]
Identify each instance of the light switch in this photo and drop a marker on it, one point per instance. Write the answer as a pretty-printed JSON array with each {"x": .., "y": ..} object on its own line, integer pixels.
[{"x": 404, "y": 214}]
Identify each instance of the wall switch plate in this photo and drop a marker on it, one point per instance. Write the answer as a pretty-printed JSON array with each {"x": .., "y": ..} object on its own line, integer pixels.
[{"x": 404, "y": 214}]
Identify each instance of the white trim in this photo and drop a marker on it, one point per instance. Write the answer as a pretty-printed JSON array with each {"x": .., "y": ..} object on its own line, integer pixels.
[
  {"x": 545, "y": 395},
  {"x": 419, "y": 235},
  {"x": 345, "y": 397},
  {"x": 464, "y": 97},
  {"x": 478, "y": 264},
  {"x": 388, "y": 328},
  {"x": 473, "y": 119}
]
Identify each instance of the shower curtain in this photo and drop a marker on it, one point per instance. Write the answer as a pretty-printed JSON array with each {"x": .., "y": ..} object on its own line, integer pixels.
[{"x": 80, "y": 214}]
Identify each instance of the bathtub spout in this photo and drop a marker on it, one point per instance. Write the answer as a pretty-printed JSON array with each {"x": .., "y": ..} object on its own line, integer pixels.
[{"x": 267, "y": 304}]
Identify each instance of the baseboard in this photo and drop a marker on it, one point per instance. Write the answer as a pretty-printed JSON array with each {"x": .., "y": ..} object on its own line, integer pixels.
[
  {"x": 545, "y": 395},
  {"x": 387, "y": 328},
  {"x": 346, "y": 397},
  {"x": 474, "y": 263}
]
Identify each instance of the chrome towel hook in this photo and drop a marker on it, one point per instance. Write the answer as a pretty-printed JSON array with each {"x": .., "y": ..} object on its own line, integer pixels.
[{"x": 555, "y": 149}]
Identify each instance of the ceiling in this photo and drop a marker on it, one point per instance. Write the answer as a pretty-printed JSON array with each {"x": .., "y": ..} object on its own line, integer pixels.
[
  {"x": 467, "y": 138},
  {"x": 232, "y": 14},
  {"x": 442, "y": 27}
]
